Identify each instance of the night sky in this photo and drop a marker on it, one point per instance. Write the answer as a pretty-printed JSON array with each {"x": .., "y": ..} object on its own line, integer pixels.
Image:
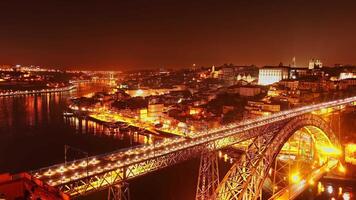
[{"x": 132, "y": 34}]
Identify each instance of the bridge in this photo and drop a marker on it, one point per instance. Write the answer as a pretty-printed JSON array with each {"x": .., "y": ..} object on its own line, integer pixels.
[{"x": 298, "y": 138}]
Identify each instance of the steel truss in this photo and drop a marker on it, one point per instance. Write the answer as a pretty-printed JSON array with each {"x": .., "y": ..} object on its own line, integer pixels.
[
  {"x": 239, "y": 182},
  {"x": 113, "y": 177},
  {"x": 245, "y": 178},
  {"x": 282, "y": 169},
  {"x": 208, "y": 178},
  {"x": 101, "y": 181},
  {"x": 255, "y": 159},
  {"x": 280, "y": 178},
  {"x": 119, "y": 192}
]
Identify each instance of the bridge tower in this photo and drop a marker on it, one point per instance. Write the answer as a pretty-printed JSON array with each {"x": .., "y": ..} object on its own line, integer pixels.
[{"x": 208, "y": 178}]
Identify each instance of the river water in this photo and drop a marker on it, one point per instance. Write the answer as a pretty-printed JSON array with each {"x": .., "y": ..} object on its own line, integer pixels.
[{"x": 33, "y": 133}]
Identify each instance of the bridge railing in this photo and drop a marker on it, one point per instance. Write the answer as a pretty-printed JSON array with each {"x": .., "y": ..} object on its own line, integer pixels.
[{"x": 104, "y": 155}]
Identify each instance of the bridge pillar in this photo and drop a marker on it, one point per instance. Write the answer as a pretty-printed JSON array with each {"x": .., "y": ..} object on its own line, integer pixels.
[
  {"x": 119, "y": 192},
  {"x": 208, "y": 178}
]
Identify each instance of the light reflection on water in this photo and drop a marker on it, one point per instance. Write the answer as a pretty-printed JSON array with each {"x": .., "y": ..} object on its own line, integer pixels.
[
  {"x": 33, "y": 131},
  {"x": 30, "y": 110},
  {"x": 85, "y": 126},
  {"x": 34, "y": 111},
  {"x": 330, "y": 189}
]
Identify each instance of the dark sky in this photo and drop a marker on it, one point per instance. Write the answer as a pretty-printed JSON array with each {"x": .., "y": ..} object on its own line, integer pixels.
[{"x": 129, "y": 34}]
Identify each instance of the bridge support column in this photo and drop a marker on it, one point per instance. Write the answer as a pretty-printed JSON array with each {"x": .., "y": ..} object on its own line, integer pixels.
[
  {"x": 119, "y": 192},
  {"x": 208, "y": 178}
]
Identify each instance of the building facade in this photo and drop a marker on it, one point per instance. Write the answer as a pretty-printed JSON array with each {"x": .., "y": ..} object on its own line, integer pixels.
[{"x": 272, "y": 74}]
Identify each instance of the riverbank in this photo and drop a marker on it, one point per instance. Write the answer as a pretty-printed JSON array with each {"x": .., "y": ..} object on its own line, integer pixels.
[
  {"x": 147, "y": 130},
  {"x": 26, "y": 92}
]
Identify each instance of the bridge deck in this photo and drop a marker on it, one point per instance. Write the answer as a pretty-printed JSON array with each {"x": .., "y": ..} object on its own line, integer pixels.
[{"x": 98, "y": 172}]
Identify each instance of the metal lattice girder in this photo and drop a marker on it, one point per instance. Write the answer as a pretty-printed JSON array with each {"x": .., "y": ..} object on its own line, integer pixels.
[
  {"x": 279, "y": 177},
  {"x": 208, "y": 178},
  {"x": 106, "y": 179},
  {"x": 98, "y": 182},
  {"x": 290, "y": 157},
  {"x": 240, "y": 180},
  {"x": 245, "y": 178},
  {"x": 112, "y": 177},
  {"x": 119, "y": 192}
]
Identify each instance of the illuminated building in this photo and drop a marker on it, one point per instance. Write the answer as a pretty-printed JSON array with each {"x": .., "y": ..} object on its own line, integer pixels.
[
  {"x": 315, "y": 63},
  {"x": 243, "y": 77},
  {"x": 144, "y": 92},
  {"x": 347, "y": 75},
  {"x": 214, "y": 73},
  {"x": 231, "y": 74},
  {"x": 195, "y": 110},
  {"x": 347, "y": 83},
  {"x": 155, "y": 111},
  {"x": 290, "y": 84},
  {"x": 272, "y": 74},
  {"x": 228, "y": 75},
  {"x": 247, "y": 91},
  {"x": 143, "y": 114},
  {"x": 258, "y": 108},
  {"x": 296, "y": 73}
]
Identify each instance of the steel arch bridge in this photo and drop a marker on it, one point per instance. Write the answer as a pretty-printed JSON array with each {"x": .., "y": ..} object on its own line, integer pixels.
[
  {"x": 243, "y": 181},
  {"x": 246, "y": 177}
]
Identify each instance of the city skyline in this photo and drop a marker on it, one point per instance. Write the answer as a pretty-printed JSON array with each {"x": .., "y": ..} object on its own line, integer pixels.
[
  {"x": 178, "y": 100},
  {"x": 137, "y": 34}
]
